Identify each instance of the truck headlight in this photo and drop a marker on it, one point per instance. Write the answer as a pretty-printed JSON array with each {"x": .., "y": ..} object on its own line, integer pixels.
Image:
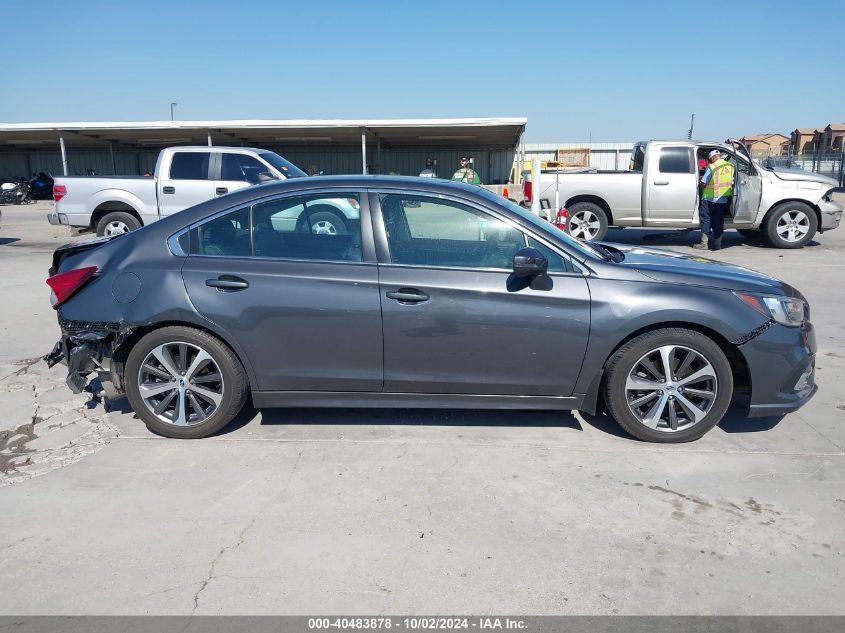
[{"x": 787, "y": 311}]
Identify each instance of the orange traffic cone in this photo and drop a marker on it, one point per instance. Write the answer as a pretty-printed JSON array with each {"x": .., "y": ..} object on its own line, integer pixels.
[{"x": 505, "y": 192}]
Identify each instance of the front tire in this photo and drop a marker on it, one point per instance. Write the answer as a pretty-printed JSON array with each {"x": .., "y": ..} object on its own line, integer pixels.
[
  {"x": 116, "y": 223},
  {"x": 791, "y": 225},
  {"x": 586, "y": 221},
  {"x": 184, "y": 383},
  {"x": 670, "y": 385}
]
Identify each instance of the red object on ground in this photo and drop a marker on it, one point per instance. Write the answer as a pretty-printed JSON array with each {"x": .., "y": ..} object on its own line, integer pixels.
[{"x": 560, "y": 219}]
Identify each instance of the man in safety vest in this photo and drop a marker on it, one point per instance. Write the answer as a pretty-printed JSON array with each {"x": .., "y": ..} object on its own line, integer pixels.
[
  {"x": 718, "y": 188},
  {"x": 465, "y": 173}
]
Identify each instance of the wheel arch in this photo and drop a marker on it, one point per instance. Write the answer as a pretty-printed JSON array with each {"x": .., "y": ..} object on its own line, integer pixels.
[
  {"x": 739, "y": 366},
  {"x": 598, "y": 200},
  {"x": 104, "y": 208},
  {"x": 780, "y": 203},
  {"x": 124, "y": 347}
]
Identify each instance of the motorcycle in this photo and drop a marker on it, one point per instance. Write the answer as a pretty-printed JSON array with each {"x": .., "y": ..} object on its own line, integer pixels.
[
  {"x": 41, "y": 187},
  {"x": 15, "y": 192}
]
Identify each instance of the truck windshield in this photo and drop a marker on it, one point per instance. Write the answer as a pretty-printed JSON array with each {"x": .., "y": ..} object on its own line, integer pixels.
[
  {"x": 287, "y": 169},
  {"x": 545, "y": 227}
]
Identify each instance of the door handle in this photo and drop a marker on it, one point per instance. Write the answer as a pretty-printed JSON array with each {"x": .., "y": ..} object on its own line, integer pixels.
[
  {"x": 661, "y": 182},
  {"x": 168, "y": 189},
  {"x": 227, "y": 283},
  {"x": 407, "y": 295},
  {"x": 221, "y": 190}
]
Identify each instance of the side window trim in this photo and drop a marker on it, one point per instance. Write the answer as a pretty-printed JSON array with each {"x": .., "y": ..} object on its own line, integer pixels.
[{"x": 382, "y": 246}]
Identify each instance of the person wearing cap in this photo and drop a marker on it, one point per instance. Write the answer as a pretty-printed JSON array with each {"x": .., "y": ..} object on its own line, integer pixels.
[
  {"x": 465, "y": 173},
  {"x": 428, "y": 172},
  {"x": 717, "y": 190}
]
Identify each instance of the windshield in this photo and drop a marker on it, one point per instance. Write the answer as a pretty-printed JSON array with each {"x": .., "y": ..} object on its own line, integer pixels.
[
  {"x": 287, "y": 169},
  {"x": 543, "y": 226}
]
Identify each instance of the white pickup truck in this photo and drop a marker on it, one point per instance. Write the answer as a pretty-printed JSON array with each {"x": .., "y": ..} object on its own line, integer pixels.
[
  {"x": 184, "y": 176},
  {"x": 786, "y": 207}
]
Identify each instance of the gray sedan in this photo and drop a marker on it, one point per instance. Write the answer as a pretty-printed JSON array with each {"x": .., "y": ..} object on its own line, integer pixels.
[{"x": 438, "y": 295}]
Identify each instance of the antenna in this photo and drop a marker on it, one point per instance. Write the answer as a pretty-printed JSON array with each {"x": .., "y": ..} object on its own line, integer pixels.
[{"x": 691, "y": 125}]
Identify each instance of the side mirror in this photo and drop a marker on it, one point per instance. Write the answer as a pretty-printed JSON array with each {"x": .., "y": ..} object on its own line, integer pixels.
[{"x": 529, "y": 262}]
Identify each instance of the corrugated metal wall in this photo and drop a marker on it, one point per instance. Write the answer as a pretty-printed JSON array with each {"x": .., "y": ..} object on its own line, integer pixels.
[
  {"x": 493, "y": 164},
  {"x": 17, "y": 164},
  {"x": 603, "y": 156}
]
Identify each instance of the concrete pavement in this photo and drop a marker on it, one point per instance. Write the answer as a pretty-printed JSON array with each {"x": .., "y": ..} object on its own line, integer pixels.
[{"x": 395, "y": 511}]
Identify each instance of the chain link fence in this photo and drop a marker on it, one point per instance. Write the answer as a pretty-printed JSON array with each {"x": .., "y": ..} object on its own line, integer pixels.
[{"x": 830, "y": 164}]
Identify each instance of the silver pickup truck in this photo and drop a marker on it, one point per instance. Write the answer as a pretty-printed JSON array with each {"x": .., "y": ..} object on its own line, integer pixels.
[
  {"x": 786, "y": 207},
  {"x": 184, "y": 176}
]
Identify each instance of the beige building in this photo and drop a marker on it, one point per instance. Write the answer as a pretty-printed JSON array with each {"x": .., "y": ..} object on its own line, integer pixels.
[
  {"x": 772, "y": 144},
  {"x": 802, "y": 140},
  {"x": 833, "y": 137}
]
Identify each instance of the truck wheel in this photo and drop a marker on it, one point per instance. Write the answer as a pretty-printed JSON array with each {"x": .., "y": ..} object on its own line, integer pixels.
[
  {"x": 184, "y": 383},
  {"x": 587, "y": 221},
  {"x": 668, "y": 385},
  {"x": 116, "y": 223},
  {"x": 326, "y": 222},
  {"x": 791, "y": 225}
]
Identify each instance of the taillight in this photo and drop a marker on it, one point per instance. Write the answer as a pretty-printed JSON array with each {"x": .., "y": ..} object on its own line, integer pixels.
[
  {"x": 526, "y": 190},
  {"x": 59, "y": 192},
  {"x": 64, "y": 285},
  {"x": 353, "y": 202}
]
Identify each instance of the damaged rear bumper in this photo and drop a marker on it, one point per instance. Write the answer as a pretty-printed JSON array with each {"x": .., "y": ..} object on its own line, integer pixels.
[{"x": 88, "y": 348}]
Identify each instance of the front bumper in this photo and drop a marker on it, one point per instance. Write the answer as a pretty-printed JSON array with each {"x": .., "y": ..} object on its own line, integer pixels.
[
  {"x": 831, "y": 215},
  {"x": 782, "y": 362}
]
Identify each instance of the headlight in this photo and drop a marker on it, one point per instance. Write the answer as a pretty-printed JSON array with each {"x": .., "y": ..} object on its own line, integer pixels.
[{"x": 785, "y": 310}]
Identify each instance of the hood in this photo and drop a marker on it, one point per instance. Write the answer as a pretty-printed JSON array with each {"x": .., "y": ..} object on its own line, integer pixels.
[
  {"x": 694, "y": 270},
  {"x": 800, "y": 174}
]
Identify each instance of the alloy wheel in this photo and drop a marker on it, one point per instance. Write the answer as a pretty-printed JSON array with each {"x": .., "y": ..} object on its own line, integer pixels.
[
  {"x": 323, "y": 227},
  {"x": 180, "y": 383},
  {"x": 671, "y": 388},
  {"x": 792, "y": 226},
  {"x": 116, "y": 227},
  {"x": 584, "y": 225}
]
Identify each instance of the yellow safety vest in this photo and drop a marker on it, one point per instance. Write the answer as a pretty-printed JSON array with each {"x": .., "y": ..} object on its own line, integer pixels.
[{"x": 721, "y": 183}]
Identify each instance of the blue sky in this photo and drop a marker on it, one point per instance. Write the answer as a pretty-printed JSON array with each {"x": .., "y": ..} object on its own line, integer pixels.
[{"x": 606, "y": 71}]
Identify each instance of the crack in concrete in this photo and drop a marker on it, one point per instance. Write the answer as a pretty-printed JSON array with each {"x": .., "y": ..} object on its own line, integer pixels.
[{"x": 204, "y": 584}]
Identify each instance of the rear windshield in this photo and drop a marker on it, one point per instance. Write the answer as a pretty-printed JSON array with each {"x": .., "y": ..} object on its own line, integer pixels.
[{"x": 287, "y": 169}]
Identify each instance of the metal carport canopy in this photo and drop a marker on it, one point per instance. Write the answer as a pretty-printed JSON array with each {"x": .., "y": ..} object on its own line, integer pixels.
[{"x": 464, "y": 133}]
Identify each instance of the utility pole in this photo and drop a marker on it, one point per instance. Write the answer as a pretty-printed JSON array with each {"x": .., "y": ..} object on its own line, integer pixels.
[
  {"x": 173, "y": 104},
  {"x": 691, "y": 125}
]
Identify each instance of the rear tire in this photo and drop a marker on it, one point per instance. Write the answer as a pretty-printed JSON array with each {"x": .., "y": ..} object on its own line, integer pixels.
[
  {"x": 645, "y": 404},
  {"x": 586, "y": 221},
  {"x": 791, "y": 225},
  {"x": 205, "y": 392},
  {"x": 117, "y": 222}
]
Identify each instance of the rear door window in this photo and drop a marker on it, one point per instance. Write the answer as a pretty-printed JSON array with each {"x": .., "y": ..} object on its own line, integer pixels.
[
  {"x": 676, "y": 160},
  {"x": 189, "y": 166},
  {"x": 320, "y": 227}
]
